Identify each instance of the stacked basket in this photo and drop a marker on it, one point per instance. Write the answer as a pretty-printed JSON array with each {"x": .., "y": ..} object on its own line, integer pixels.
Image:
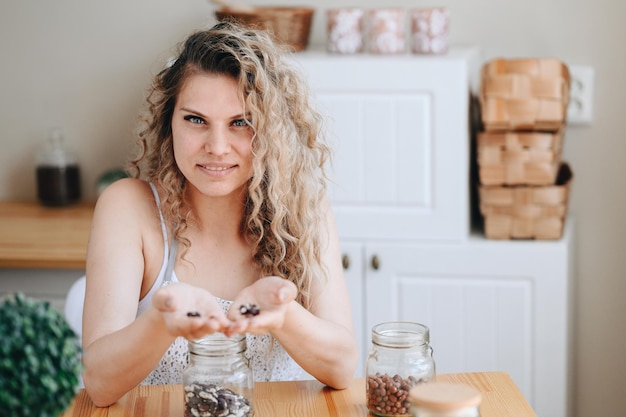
[{"x": 524, "y": 185}]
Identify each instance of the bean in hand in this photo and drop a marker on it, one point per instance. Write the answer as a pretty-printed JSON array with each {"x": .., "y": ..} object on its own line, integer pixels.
[{"x": 249, "y": 310}]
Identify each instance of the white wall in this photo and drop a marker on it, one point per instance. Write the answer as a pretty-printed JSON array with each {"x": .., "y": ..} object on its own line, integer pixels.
[{"x": 85, "y": 65}]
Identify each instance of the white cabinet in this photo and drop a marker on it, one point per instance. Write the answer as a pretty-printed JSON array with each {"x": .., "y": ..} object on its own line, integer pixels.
[
  {"x": 354, "y": 269},
  {"x": 490, "y": 305},
  {"x": 399, "y": 126}
]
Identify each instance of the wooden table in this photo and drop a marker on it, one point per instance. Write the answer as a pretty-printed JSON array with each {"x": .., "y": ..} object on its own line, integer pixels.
[
  {"x": 501, "y": 398},
  {"x": 34, "y": 236}
]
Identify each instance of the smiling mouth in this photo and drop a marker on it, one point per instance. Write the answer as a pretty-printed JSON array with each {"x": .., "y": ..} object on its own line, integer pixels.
[{"x": 217, "y": 169}]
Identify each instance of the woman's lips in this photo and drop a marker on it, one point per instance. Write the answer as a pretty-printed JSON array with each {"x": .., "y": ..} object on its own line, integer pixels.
[{"x": 217, "y": 169}]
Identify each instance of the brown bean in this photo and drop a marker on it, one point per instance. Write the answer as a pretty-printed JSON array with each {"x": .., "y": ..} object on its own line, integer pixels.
[{"x": 388, "y": 394}]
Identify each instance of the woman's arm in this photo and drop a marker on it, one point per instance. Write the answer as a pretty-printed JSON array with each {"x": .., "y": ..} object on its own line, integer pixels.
[
  {"x": 321, "y": 340},
  {"x": 119, "y": 350},
  {"x": 125, "y": 255}
]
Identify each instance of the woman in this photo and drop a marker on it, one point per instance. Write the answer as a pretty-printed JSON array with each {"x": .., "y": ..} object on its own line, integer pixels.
[{"x": 228, "y": 210}]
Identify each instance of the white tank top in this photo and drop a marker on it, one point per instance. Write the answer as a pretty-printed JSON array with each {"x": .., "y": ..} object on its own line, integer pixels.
[{"x": 268, "y": 359}]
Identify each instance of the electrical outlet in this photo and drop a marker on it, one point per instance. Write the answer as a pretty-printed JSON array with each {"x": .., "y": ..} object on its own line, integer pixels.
[{"x": 580, "y": 108}]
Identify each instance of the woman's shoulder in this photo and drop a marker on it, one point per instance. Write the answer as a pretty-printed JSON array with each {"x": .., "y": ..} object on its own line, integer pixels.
[
  {"x": 127, "y": 185},
  {"x": 128, "y": 197}
]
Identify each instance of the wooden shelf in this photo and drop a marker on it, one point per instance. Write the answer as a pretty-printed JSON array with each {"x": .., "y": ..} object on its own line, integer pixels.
[{"x": 34, "y": 236}]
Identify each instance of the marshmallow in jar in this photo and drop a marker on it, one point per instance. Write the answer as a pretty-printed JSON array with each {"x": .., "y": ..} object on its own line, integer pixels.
[
  {"x": 386, "y": 32},
  {"x": 345, "y": 30},
  {"x": 429, "y": 30}
]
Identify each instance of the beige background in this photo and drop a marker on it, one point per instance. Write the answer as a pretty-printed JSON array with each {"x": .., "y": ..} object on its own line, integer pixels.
[{"x": 84, "y": 65}]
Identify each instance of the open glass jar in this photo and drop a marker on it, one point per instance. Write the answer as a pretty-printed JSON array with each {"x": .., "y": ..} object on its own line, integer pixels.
[
  {"x": 218, "y": 380},
  {"x": 400, "y": 358}
]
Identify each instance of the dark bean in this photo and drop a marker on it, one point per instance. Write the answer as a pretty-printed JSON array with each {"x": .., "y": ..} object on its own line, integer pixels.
[
  {"x": 193, "y": 314},
  {"x": 249, "y": 310}
]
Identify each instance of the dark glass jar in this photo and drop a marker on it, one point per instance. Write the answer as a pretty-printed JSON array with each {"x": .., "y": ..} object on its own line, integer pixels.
[
  {"x": 218, "y": 380},
  {"x": 58, "y": 174},
  {"x": 400, "y": 358}
]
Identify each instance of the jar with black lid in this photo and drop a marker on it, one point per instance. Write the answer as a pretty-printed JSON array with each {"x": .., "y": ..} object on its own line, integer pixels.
[
  {"x": 218, "y": 380},
  {"x": 57, "y": 172},
  {"x": 399, "y": 359}
]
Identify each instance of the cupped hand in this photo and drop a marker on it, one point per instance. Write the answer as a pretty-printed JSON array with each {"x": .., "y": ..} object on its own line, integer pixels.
[
  {"x": 189, "y": 311},
  {"x": 271, "y": 296}
]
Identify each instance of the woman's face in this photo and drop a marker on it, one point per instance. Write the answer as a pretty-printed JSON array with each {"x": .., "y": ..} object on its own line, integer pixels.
[{"x": 212, "y": 142}]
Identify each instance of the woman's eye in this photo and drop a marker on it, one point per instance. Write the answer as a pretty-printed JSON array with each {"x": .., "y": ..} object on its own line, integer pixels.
[
  {"x": 240, "y": 123},
  {"x": 194, "y": 119}
]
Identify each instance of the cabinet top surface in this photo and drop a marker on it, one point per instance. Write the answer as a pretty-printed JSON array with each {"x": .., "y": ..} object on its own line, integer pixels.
[
  {"x": 34, "y": 236},
  {"x": 464, "y": 58},
  {"x": 456, "y": 52}
]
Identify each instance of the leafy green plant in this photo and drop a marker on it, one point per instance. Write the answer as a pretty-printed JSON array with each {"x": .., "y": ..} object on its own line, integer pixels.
[{"x": 40, "y": 360}]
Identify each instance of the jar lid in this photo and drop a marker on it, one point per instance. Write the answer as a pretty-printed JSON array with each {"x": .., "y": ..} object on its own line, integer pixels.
[
  {"x": 444, "y": 396},
  {"x": 54, "y": 153}
]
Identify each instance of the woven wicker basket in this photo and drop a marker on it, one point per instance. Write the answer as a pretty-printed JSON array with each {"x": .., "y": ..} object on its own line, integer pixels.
[
  {"x": 289, "y": 25},
  {"x": 526, "y": 212},
  {"x": 524, "y": 94},
  {"x": 519, "y": 158}
]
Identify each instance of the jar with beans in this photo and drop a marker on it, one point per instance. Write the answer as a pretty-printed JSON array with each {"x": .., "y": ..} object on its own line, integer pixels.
[
  {"x": 218, "y": 380},
  {"x": 399, "y": 359}
]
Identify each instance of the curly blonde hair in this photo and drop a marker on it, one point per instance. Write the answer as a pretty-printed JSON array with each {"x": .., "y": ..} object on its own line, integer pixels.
[{"x": 282, "y": 219}]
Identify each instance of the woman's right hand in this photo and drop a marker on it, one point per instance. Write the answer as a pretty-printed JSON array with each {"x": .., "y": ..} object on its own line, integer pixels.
[
  {"x": 189, "y": 311},
  {"x": 271, "y": 296}
]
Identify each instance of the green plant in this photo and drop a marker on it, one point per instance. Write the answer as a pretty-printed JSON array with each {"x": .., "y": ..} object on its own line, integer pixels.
[{"x": 40, "y": 360}]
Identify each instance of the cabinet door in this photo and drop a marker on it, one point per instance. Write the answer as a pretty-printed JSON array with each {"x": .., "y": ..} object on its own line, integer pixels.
[
  {"x": 399, "y": 128},
  {"x": 353, "y": 268},
  {"x": 490, "y": 306}
]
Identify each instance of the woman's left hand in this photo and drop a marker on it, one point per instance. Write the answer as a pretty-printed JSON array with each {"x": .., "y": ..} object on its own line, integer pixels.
[{"x": 266, "y": 303}]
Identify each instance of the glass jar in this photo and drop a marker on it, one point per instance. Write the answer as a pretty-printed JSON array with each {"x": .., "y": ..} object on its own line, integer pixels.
[
  {"x": 400, "y": 358},
  {"x": 57, "y": 171},
  {"x": 218, "y": 380},
  {"x": 445, "y": 400}
]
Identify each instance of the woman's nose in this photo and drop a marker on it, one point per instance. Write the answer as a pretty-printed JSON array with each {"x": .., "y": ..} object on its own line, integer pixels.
[{"x": 217, "y": 142}]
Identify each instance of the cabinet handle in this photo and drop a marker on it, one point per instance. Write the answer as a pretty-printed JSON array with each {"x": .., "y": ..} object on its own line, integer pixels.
[
  {"x": 375, "y": 262},
  {"x": 345, "y": 261}
]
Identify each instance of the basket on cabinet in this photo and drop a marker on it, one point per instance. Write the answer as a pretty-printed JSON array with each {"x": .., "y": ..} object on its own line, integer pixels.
[
  {"x": 526, "y": 212},
  {"x": 516, "y": 158},
  {"x": 290, "y": 25},
  {"x": 524, "y": 94}
]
